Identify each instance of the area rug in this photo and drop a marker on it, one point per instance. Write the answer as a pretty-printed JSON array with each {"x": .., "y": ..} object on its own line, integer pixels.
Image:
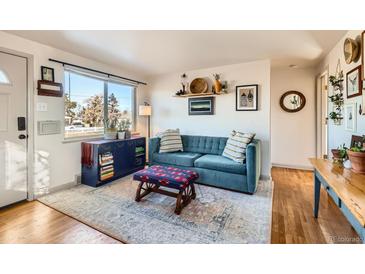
[{"x": 215, "y": 216}]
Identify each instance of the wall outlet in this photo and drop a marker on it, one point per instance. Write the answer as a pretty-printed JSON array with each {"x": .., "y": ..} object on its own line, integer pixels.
[{"x": 42, "y": 106}]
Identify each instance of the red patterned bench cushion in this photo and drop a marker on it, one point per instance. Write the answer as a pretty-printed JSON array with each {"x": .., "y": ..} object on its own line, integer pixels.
[{"x": 171, "y": 177}]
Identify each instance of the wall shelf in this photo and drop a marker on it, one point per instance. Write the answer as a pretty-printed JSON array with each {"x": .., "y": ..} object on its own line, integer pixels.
[{"x": 198, "y": 94}]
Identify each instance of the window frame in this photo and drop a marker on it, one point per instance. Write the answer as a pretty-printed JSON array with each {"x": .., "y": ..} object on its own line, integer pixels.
[{"x": 106, "y": 80}]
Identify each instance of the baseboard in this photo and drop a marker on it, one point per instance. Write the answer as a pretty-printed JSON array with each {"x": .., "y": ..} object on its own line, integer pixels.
[
  {"x": 265, "y": 177},
  {"x": 56, "y": 188},
  {"x": 293, "y": 166}
]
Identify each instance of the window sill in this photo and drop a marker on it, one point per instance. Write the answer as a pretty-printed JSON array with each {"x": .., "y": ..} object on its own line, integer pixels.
[{"x": 82, "y": 139}]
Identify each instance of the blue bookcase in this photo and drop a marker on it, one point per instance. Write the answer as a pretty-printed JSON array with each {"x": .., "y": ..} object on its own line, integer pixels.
[{"x": 113, "y": 159}]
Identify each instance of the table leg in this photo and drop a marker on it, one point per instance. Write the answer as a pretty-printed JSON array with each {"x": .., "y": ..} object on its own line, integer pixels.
[{"x": 317, "y": 194}]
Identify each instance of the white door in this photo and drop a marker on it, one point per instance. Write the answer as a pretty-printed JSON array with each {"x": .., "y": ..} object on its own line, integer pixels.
[
  {"x": 324, "y": 114},
  {"x": 13, "y": 136}
]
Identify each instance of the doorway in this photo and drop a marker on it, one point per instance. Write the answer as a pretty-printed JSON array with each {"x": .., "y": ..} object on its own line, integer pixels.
[
  {"x": 14, "y": 83},
  {"x": 322, "y": 115}
]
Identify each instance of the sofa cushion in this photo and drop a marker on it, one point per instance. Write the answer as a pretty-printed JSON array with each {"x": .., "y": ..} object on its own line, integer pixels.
[
  {"x": 176, "y": 158},
  {"x": 221, "y": 163},
  {"x": 171, "y": 141},
  {"x": 236, "y": 146},
  {"x": 204, "y": 144}
]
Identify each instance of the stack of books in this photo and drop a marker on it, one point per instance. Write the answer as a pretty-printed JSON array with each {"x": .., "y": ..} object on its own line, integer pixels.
[
  {"x": 106, "y": 162},
  {"x": 139, "y": 151}
]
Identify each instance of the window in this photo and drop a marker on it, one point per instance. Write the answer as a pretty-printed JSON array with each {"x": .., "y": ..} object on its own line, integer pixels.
[
  {"x": 91, "y": 103},
  {"x": 4, "y": 79}
]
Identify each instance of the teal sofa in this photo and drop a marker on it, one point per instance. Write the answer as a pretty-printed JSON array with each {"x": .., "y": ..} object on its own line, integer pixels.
[{"x": 204, "y": 155}]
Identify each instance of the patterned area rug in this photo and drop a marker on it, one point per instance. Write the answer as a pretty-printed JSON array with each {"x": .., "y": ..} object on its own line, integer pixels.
[{"x": 215, "y": 216}]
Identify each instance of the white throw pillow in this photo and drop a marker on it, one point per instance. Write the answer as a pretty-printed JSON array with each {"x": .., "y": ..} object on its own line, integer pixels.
[
  {"x": 236, "y": 146},
  {"x": 171, "y": 141}
]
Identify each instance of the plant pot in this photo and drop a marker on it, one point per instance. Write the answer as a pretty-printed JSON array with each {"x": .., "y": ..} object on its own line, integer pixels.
[
  {"x": 337, "y": 121},
  {"x": 111, "y": 135},
  {"x": 357, "y": 160},
  {"x": 121, "y": 135},
  {"x": 217, "y": 86},
  {"x": 336, "y": 156},
  {"x": 128, "y": 134},
  {"x": 335, "y": 153}
]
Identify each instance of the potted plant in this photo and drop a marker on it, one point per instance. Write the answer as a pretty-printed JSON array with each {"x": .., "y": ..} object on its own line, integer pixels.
[
  {"x": 339, "y": 154},
  {"x": 123, "y": 127},
  {"x": 336, "y": 117},
  {"x": 110, "y": 126},
  {"x": 337, "y": 98},
  {"x": 357, "y": 158}
]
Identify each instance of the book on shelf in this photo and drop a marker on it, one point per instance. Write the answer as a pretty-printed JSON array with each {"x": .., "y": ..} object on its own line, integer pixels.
[{"x": 106, "y": 159}]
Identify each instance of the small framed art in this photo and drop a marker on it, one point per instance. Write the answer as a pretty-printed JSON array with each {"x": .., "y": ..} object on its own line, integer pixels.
[
  {"x": 247, "y": 98},
  {"x": 47, "y": 74},
  {"x": 353, "y": 82},
  {"x": 350, "y": 117}
]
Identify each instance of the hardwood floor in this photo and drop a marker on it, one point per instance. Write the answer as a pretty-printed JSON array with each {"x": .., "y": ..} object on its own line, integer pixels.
[
  {"x": 292, "y": 222},
  {"x": 33, "y": 222},
  {"x": 292, "y": 219}
]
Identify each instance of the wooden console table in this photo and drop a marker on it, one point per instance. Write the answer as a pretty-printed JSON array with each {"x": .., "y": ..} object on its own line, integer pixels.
[{"x": 346, "y": 188}]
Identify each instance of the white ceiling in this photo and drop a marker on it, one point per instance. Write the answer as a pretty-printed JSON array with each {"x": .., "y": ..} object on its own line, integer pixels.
[{"x": 157, "y": 52}]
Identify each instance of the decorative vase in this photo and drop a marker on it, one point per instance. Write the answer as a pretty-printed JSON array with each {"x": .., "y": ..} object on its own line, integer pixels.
[
  {"x": 357, "y": 160},
  {"x": 127, "y": 134},
  {"x": 347, "y": 164},
  {"x": 110, "y": 135},
  {"x": 121, "y": 135},
  {"x": 217, "y": 86}
]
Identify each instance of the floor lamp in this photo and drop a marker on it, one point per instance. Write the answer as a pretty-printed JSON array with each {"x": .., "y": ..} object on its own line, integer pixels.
[{"x": 146, "y": 110}]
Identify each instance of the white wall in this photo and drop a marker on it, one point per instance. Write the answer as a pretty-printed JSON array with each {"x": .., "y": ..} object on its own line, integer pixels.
[
  {"x": 172, "y": 112},
  {"x": 56, "y": 162},
  {"x": 337, "y": 134},
  {"x": 293, "y": 138}
]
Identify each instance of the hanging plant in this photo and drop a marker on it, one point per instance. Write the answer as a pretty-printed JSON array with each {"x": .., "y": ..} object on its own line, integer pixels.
[{"x": 337, "y": 99}]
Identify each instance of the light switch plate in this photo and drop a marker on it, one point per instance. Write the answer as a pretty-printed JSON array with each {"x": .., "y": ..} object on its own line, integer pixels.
[{"x": 42, "y": 106}]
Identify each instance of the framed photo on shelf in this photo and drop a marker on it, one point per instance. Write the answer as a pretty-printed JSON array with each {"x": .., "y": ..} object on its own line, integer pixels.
[
  {"x": 353, "y": 82},
  {"x": 247, "y": 98},
  {"x": 350, "y": 117},
  {"x": 357, "y": 141},
  {"x": 47, "y": 74}
]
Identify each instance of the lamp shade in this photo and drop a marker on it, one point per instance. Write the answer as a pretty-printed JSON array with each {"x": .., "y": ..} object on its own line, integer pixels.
[{"x": 145, "y": 110}]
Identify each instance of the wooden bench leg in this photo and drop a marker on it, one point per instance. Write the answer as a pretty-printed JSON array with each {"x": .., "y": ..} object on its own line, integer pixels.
[
  {"x": 193, "y": 194},
  {"x": 144, "y": 189},
  {"x": 179, "y": 202},
  {"x": 138, "y": 192}
]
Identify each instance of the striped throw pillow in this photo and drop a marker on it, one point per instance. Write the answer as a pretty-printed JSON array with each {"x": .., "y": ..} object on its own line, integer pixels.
[
  {"x": 236, "y": 146},
  {"x": 171, "y": 141}
]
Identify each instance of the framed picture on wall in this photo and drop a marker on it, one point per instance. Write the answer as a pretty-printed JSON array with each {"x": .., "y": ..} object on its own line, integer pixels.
[
  {"x": 247, "y": 98},
  {"x": 47, "y": 74},
  {"x": 353, "y": 82},
  {"x": 350, "y": 117},
  {"x": 201, "y": 106}
]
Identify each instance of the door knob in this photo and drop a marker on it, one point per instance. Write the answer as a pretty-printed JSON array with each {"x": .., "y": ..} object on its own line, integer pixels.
[{"x": 22, "y": 136}]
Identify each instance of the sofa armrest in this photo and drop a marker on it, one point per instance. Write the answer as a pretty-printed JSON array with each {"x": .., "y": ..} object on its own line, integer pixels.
[
  {"x": 253, "y": 163},
  {"x": 153, "y": 146}
]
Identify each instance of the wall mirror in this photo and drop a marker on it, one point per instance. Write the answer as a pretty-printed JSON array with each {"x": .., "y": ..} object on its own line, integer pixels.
[{"x": 292, "y": 101}]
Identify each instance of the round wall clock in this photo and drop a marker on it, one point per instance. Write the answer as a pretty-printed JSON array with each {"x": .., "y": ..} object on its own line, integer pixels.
[{"x": 350, "y": 50}]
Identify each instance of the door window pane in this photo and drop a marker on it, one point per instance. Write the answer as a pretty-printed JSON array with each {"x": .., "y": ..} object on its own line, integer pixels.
[{"x": 4, "y": 79}]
